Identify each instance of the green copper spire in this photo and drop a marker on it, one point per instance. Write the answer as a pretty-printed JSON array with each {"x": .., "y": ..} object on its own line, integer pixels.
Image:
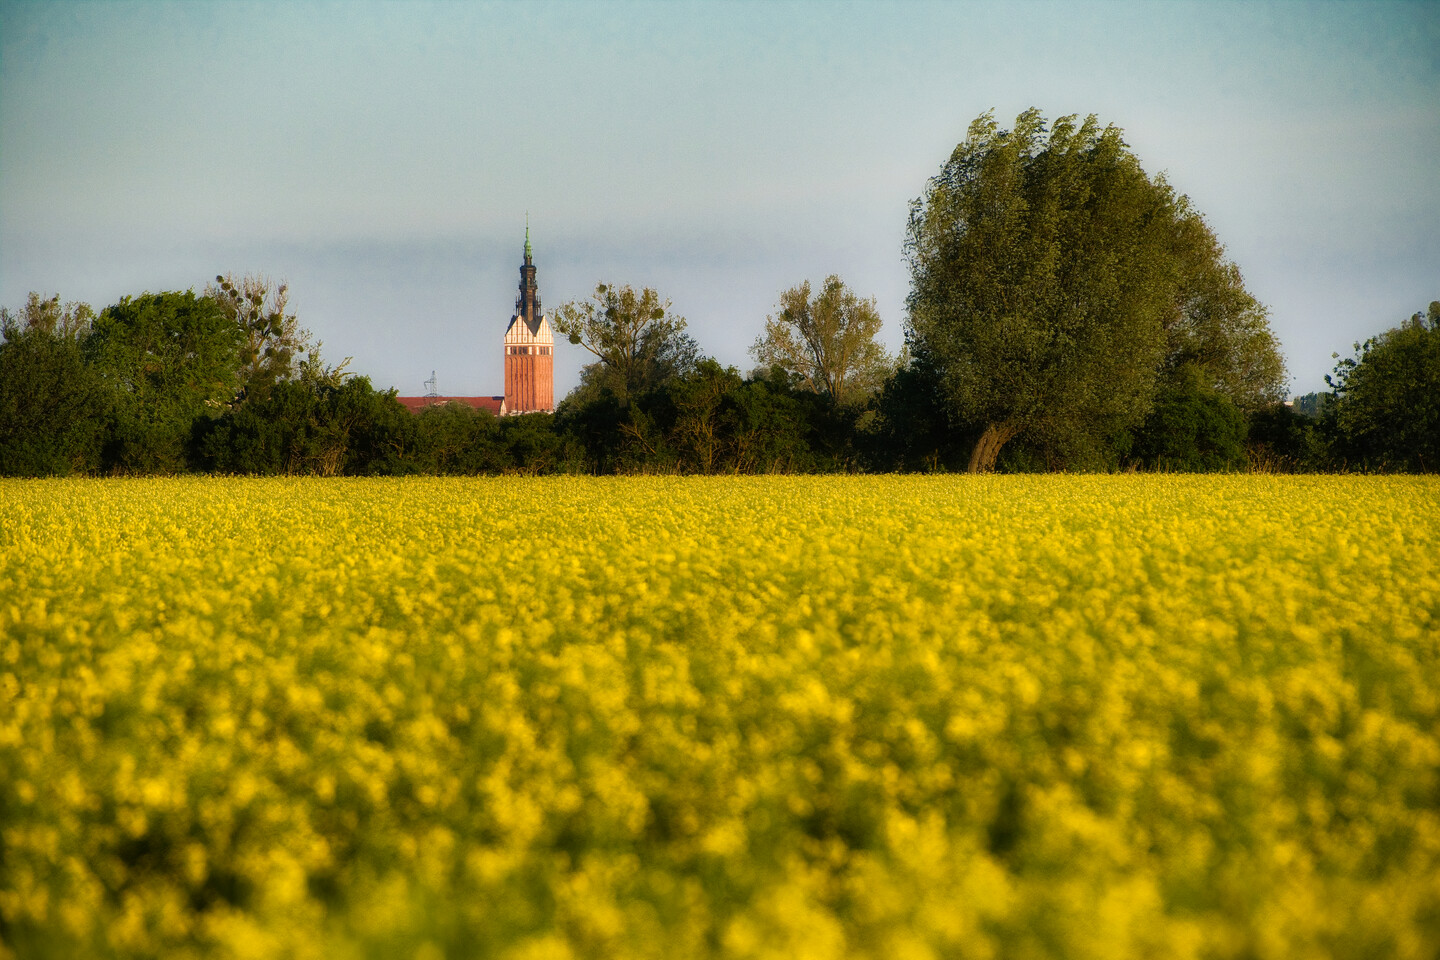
[{"x": 527, "y": 305}]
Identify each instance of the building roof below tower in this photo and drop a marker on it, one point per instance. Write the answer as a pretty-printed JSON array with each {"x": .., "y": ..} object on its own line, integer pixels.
[{"x": 495, "y": 405}]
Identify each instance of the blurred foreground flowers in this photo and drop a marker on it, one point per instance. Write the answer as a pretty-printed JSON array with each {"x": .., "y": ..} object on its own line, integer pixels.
[{"x": 792, "y": 717}]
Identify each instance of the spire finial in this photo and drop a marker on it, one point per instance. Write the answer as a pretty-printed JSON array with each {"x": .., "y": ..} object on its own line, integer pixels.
[{"x": 527, "y": 234}]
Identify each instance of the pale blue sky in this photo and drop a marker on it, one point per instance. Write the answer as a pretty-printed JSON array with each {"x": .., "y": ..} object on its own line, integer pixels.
[{"x": 382, "y": 157}]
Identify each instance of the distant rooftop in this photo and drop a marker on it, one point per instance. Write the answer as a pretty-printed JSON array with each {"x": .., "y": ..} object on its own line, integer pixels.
[{"x": 495, "y": 405}]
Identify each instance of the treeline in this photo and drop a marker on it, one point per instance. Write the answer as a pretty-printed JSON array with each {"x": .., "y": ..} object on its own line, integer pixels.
[
  {"x": 161, "y": 384},
  {"x": 1067, "y": 312}
]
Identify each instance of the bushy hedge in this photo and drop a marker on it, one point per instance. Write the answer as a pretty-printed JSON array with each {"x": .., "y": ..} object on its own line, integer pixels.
[{"x": 152, "y": 386}]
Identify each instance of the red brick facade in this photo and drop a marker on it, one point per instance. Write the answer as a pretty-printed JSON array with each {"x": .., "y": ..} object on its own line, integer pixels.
[
  {"x": 529, "y": 378},
  {"x": 529, "y": 358},
  {"x": 529, "y": 348}
]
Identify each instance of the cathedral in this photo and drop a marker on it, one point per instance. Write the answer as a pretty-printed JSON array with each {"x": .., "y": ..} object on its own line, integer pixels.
[
  {"x": 529, "y": 348},
  {"x": 529, "y": 358}
]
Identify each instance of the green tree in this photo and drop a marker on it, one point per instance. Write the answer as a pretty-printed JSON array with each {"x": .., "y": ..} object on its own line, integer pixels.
[
  {"x": 458, "y": 439},
  {"x": 166, "y": 360},
  {"x": 1286, "y": 439},
  {"x": 316, "y": 428},
  {"x": 1052, "y": 281},
  {"x": 637, "y": 341},
  {"x": 52, "y": 405},
  {"x": 1193, "y": 427},
  {"x": 534, "y": 446},
  {"x": 273, "y": 345},
  {"x": 701, "y": 428},
  {"x": 1217, "y": 328},
  {"x": 828, "y": 341},
  {"x": 69, "y": 321},
  {"x": 1386, "y": 408},
  {"x": 765, "y": 431},
  {"x": 707, "y": 420},
  {"x": 1312, "y": 405},
  {"x": 912, "y": 430}
]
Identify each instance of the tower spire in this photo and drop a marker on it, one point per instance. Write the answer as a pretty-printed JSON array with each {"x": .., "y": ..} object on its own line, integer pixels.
[
  {"x": 529, "y": 345},
  {"x": 527, "y": 304}
]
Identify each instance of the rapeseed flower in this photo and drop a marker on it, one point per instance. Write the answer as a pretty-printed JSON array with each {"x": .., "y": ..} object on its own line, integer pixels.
[{"x": 749, "y": 717}]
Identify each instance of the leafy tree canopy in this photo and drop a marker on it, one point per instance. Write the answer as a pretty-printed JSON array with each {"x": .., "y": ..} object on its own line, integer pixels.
[
  {"x": 638, "y": 342},
  {"x": 1386, "y": 407},
  {"x": 166, "y": 359},
  {"x": 52, "y": 406},
  {"x": 1217, "y": 328},
  {"x": 1054, "y": 281},
  {"x": 273, "y": 345},
  {"x": 1193, "y": 427},
  {"x": 826, "y": 341},
  {"x": 168, "y": 349},
  {"x": 47, "y": 317}
]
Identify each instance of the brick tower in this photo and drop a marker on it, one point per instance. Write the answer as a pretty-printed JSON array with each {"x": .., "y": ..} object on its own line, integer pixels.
[{"x": 529, "y": 348}]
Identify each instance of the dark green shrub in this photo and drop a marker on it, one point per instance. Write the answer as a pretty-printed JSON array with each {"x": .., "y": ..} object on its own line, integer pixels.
[{"x": 1193, "y": 428}]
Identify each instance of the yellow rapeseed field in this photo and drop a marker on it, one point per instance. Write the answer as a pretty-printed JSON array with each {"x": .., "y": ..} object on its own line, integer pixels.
[{"x": 1089, "y": 717}]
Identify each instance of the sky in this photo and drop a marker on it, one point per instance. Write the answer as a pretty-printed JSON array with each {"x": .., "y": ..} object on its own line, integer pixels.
[{"x": 382, "y": 158}]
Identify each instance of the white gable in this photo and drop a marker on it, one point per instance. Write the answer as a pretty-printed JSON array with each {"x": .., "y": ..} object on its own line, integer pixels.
[{"x": 519, "y": 332}]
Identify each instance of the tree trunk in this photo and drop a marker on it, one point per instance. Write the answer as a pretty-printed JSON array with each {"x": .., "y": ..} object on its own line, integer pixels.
[{"x": 987, "y": 448}]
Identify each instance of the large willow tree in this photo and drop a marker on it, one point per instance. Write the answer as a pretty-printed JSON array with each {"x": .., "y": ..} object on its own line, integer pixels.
[{"x": 1054, "y": 282}]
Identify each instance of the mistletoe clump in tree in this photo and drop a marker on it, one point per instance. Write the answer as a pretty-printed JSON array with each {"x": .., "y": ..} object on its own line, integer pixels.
[
  {"x": 273, "y": 345},
  {"x": 637, "y": 340}
]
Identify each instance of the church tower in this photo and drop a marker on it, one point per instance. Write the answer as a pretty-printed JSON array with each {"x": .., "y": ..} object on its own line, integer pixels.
[{"x": 529, "y": 348}]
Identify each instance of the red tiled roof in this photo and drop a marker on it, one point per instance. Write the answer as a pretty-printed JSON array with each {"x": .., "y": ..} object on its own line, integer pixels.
[{"x": 495, "y": 405}]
